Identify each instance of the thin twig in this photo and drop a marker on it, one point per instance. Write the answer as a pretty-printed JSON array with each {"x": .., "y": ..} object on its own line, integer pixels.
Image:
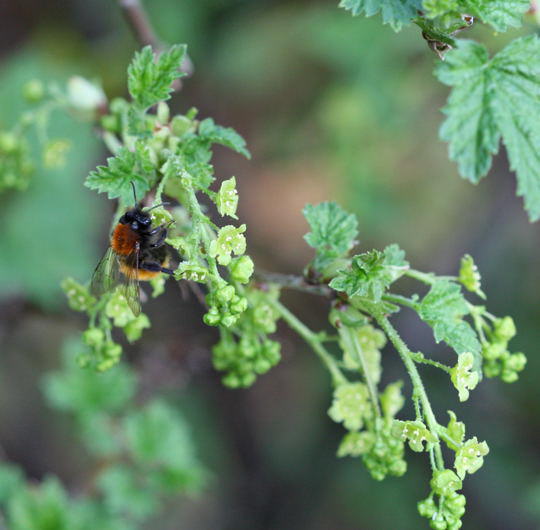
[{"x": 291, "y": 281}]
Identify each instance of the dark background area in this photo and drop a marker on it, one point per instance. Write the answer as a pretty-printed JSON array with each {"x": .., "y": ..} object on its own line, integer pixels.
[{"x": 333, "y": 108}]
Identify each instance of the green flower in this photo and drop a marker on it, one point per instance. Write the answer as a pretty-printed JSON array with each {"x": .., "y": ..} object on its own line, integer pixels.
[
  {"x": 470, "y": 457},
  {"x": 134, "y": 328},
  {"x": 78, "y": 296},
  {"x": 191, "y": 271},
  {"x": 54, "y": 153},
  {"x": 118, "y": 310},
  {"x": 241, "y": 269},
  {"x": 469, "y": 276},
  {"x": 392, "y": 399},
  {"x": 416, "y": 433},
  {"x": 33, "y": 91},
  {"x": 385, "y": 457},
  {"x": 351, "y": 405},
  {"x": 462, "y": 376},
  {"x": 227, "y": 198},
  {"x": 356, "y": 444},
  {"x": 229, "y": 241}
]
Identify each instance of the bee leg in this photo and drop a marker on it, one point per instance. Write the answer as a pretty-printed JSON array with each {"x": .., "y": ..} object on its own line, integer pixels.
[
  {"x": 158, "y": 235},
  {"x": 153, "y": 266}
]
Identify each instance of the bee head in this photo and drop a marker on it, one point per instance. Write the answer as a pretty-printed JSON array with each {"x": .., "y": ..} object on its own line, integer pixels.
[{"x": 136, "y": 219}]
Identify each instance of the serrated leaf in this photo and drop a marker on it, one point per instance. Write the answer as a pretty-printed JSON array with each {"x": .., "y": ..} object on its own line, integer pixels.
[
  {"x": 516, "y": 74},
  {"x": 371, "y": 273},
  {"x": 121, "y": 170},
  {"x": 41, "y": 508},
  {"x": 500, "y": 14},
  {"x": 333, "y": 231},
  {"x": 493, "y": 99},
  {"x": 394, "y": 12},
  {"x": 88, "y": 391},
  {"x": 470, "y": 128},
  {"x": 216, "y": 134},
  {"x": 443, "y": 308},
  {"x": 157, "y": 436},
  {"x": 150, "y": 78}
]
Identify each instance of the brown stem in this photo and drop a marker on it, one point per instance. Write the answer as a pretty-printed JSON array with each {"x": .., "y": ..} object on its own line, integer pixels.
[{"x": 290, "y": 281}]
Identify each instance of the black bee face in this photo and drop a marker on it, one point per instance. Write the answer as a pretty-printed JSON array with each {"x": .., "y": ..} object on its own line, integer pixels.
[{"x": 136, "y": 219}]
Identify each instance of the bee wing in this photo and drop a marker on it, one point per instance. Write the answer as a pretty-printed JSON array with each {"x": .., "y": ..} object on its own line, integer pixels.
[
  {"x": 106, "y": 275},
  {"x": 130, "y": 283}
]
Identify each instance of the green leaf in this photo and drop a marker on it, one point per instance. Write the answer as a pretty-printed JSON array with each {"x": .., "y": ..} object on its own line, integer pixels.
[
  {"x": 443, "y": 309},
  {"x": 150, "y": 79},
  {"x": 40, "y": 508},
  {"x": 371, "y": 273},
  {"x": 351, "y": 405},
  {"x": 123, "y": 493},
  {"x": 470, "y": 128},
  {"x": 493, "y": 99},
  {"x": 394, "y": 12},
  {"x": 158, "y": 437},
  {"x": 226, "y": 136},
  {"x": 516, "y": 74},
  {"x": 121, "y": 170},
  {"x": 11, "y": 480},
  {"x": 333, "y": 231},
  {"x": 88, "y": 391},
  {"x": 500, "y": 14}
]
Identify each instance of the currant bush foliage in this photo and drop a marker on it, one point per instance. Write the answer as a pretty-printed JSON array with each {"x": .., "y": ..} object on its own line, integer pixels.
[
  {"x": 492, "y": 99},
  {"x": 148, "y": 449}
]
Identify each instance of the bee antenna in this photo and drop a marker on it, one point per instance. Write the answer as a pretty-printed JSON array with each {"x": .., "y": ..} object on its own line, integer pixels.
[
  {"x": 134, "y": 192},
  {"x": 158, "y": 205}
]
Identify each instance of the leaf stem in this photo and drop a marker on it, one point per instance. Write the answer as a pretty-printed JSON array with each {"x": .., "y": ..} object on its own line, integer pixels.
[
  {"x": 312, "y": 339},
  {"x": 401, "y": 300}
]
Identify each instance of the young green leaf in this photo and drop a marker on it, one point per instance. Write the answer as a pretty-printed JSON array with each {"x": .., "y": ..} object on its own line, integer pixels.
[
  {"x": 394, "y": 12},
  {"x": 490, "y": 99},
  {"x": 371, "y": 273},
  {"x": 121, "y": 170},
  {"x": 150, "y": 79},
  {"x": 216, "y": 134},
  {"x": 333, "y": 231},
  {"x": 443, "y": 309}
]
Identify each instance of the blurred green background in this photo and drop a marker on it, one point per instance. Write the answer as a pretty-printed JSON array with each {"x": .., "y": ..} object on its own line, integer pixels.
[{"x": 332, "y": 107}]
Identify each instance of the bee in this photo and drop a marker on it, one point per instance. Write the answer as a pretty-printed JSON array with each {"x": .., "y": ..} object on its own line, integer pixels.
[{"x": 137, "y": 252}]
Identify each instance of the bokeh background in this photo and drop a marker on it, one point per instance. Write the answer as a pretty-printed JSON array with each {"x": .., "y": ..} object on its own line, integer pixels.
[{"x": 332, "y": 107}]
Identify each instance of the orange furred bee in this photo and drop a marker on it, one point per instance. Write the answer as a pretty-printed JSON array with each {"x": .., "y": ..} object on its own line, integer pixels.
[{"x": 137, "y": 252}]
